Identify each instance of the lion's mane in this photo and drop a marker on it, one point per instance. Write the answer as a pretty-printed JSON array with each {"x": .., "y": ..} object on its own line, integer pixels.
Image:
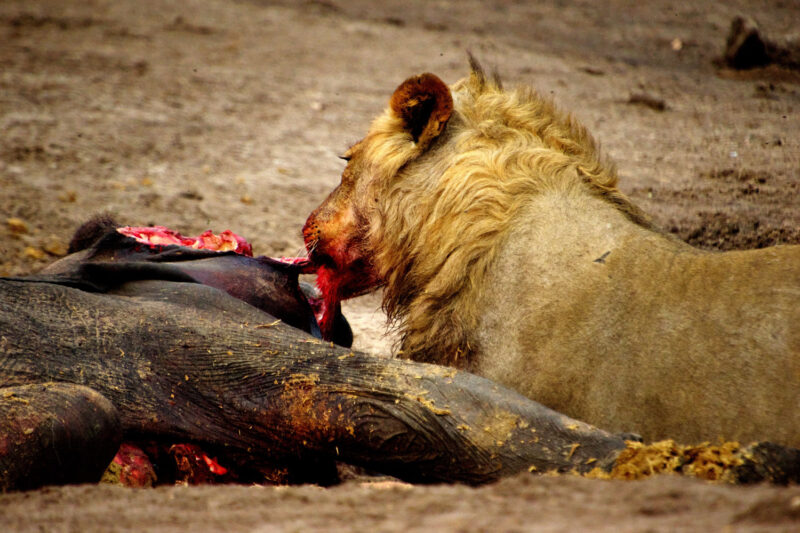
[{"x": 437, "y": 228}]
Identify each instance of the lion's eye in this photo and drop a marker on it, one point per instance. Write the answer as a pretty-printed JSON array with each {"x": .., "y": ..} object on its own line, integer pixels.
[{"x": 345, "y": 157}]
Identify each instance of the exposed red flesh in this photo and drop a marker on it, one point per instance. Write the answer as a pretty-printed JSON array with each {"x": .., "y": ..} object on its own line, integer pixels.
[
  {"x": 131, "y": 467},
  {"x": 305, "y": 264},
  {"x": 227, "y": 241},
  {"x": 194, "y": 466}
]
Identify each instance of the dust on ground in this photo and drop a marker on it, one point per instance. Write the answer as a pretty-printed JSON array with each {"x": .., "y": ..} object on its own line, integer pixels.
[{"x": 222, "y": 114}]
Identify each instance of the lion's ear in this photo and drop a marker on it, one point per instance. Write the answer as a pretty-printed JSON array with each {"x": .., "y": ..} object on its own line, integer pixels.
[{"x": 424, "y": 104}]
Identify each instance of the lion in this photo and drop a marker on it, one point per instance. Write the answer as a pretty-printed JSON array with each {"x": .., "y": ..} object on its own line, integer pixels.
[{"x": 504, "y": 247}]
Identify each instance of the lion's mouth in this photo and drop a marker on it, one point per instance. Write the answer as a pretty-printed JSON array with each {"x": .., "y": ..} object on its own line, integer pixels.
[
  {"x": 346, "y": 263},
  {"x": 337, "y": 280}
]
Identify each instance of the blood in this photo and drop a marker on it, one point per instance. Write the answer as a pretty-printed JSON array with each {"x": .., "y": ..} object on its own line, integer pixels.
[{"x": 326, "y": 309}]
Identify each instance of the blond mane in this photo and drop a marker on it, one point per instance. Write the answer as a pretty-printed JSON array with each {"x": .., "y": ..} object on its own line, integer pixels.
[{"x": 439, "y": 220}]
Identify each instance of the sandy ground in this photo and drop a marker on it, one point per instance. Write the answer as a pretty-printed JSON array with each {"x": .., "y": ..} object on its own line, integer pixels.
[{"x": 207, "y": 114}]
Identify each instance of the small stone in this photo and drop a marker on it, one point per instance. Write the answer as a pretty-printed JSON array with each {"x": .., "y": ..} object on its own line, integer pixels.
[
  {"x": 745, "y": 48},
  {"x": 55, "y": 247},
  {"x": 17, "y": 225},
  {"x": 34, "y": 253},
  {"x": 68, "y": 197}
]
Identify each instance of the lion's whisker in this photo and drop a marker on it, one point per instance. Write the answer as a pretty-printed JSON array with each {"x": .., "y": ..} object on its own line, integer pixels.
[{"x": 303, "y": 252}]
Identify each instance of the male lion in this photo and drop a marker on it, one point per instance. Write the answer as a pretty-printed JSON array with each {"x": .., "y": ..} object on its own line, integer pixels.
[{"x": 505, "y": 248}]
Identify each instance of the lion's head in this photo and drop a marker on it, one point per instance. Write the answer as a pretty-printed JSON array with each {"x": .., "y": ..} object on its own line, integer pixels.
[{"x": 429, "y": 193}]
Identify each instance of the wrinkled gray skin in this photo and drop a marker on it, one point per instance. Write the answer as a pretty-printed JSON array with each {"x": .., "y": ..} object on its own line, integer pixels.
[{"x": 186, "y": 361}]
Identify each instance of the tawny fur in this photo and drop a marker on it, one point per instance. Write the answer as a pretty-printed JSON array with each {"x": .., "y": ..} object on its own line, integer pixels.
[{"x": 506, "y": 248}]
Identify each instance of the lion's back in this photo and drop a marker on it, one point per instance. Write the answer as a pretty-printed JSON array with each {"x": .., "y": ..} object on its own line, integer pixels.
[{"x": 667, "y": 342}]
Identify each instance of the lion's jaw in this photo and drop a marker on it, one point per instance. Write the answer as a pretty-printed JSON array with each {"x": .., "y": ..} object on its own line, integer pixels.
[{"x": 335, "y": 245}]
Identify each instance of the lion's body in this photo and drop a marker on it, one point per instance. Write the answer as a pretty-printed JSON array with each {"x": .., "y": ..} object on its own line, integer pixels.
[
  {"x": 632, "y": 331},
  {"x": 505, "y": 248}
]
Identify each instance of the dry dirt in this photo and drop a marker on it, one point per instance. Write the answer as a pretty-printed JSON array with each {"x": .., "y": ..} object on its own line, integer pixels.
[{"x": 212, "y": 114}]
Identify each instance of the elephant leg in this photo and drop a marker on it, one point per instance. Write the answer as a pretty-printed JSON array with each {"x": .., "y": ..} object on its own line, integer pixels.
[{"x": 55, "y": 434}]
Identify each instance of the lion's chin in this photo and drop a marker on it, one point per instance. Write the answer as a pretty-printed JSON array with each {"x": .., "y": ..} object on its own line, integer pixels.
[{"x": 337, "y": 283}]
